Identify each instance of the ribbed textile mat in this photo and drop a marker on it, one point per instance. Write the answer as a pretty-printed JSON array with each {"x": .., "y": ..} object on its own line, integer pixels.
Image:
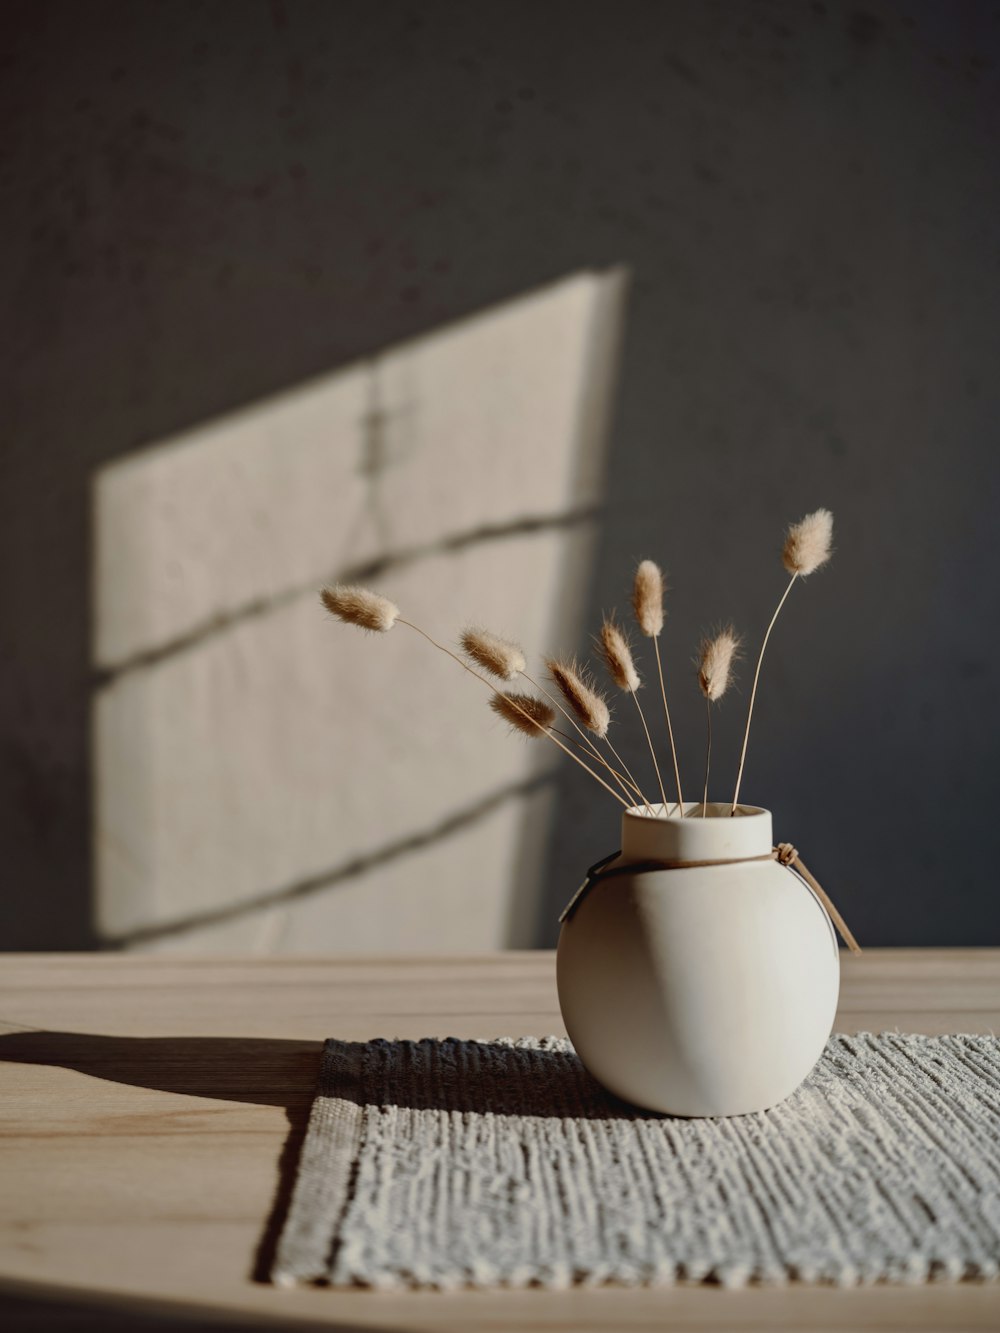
[{"x": 460, "y": 1163}]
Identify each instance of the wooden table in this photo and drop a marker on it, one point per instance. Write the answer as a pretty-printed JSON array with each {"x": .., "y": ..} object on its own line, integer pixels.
[{"x": 152, "y": 1111}]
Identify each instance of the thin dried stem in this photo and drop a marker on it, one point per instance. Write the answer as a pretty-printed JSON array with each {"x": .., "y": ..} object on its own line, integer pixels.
[
  {"x": 613, "y": 771},
  {"x": 586, "y": 701},
  {"x": 649, "y": 742},
  {"x": 753, "y": 694},
  {"x": 715, "y": 659},
  {"x": 616, "y": 651},
  {"x": 632, "y": 782},
  {"x": 591, "y": 747},
  {"x": 647, "y": 603},
  {"x": 489, "y": 684},
  {"x": 708, "y": 755},
  {"x": 670, "y": 730}
]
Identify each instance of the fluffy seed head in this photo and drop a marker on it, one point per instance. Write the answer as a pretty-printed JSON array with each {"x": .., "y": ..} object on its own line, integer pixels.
[
  {"x": 524, "y": 712},
  {"x": 807, "y": 544},
  {"x": 360, "y": 606},
  {"x": 715, "y": 662},
  {"x": 647, "y": 598},
  {"x": 589, "y": 707},
  {"x": 498, "y": 656},
  {"x": 618, "y": 657}
]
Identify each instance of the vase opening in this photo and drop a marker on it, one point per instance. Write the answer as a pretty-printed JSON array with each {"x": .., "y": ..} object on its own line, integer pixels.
[
  {"x": 715, "y": 836},
  {"x": 693, "y": 810}
]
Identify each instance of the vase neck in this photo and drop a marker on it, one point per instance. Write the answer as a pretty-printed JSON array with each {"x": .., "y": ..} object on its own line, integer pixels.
[{"x": 715, "y": 837}]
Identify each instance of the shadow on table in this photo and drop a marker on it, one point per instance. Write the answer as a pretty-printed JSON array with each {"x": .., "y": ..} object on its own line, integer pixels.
[
  {"x": 29, "y": 1306},
  {"x": 431, "y": 1074},
  {"x": 263, "y": 1071},
  {"x": 543, "y": 1078},
  {"x": 444, "y": 1074}
]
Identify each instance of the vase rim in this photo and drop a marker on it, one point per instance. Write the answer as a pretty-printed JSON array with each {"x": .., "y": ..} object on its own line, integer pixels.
[
  {"x": 715, "y": 836},
  {"x": 714, "y": 810}
]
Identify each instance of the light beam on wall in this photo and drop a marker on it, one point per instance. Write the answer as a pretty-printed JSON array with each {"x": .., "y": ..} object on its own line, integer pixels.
[{"x": 269, "y": 780}]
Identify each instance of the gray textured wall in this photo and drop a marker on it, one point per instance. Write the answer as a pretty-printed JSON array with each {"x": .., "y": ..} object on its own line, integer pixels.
[{"x": 207, "y": 203}]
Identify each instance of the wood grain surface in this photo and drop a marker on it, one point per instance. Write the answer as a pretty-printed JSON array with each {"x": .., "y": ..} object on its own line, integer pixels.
[{"x": 152, "y": 1109}]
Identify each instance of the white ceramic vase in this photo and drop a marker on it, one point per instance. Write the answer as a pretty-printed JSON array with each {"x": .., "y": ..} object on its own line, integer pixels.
[{"x": 701, "y": 991}]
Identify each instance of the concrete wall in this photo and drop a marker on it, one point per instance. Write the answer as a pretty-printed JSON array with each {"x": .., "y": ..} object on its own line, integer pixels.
[{"x": 233, "y": 207}]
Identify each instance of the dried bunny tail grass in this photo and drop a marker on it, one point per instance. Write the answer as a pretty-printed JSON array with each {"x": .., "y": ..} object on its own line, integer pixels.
[
  {"x": 360, "y": 606},
  {"x": 618, "y": 657},
  {"x": 806, "y": 548},
  {"x": 647, "y": 603},
  {"x": 628, "y": 784},
  {"x": 498, "y": 656},
  {"x": 807, "y": 543},
  {"x": 581, "y": 696},
  {"x": 715, "y": 662},
  {"x": 524, "y": 712},
  {"x": 647, "y": 598}
]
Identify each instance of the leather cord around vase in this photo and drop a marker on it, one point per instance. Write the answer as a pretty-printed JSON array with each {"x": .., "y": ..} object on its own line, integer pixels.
[{"x": 784, "y": 853}]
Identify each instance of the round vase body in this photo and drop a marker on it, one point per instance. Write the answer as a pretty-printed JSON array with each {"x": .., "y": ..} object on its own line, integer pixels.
[{"x": 701, "y": 991}]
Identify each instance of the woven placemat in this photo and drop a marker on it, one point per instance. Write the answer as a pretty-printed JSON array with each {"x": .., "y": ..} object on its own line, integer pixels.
[{"x": 460, "y": 1163}]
